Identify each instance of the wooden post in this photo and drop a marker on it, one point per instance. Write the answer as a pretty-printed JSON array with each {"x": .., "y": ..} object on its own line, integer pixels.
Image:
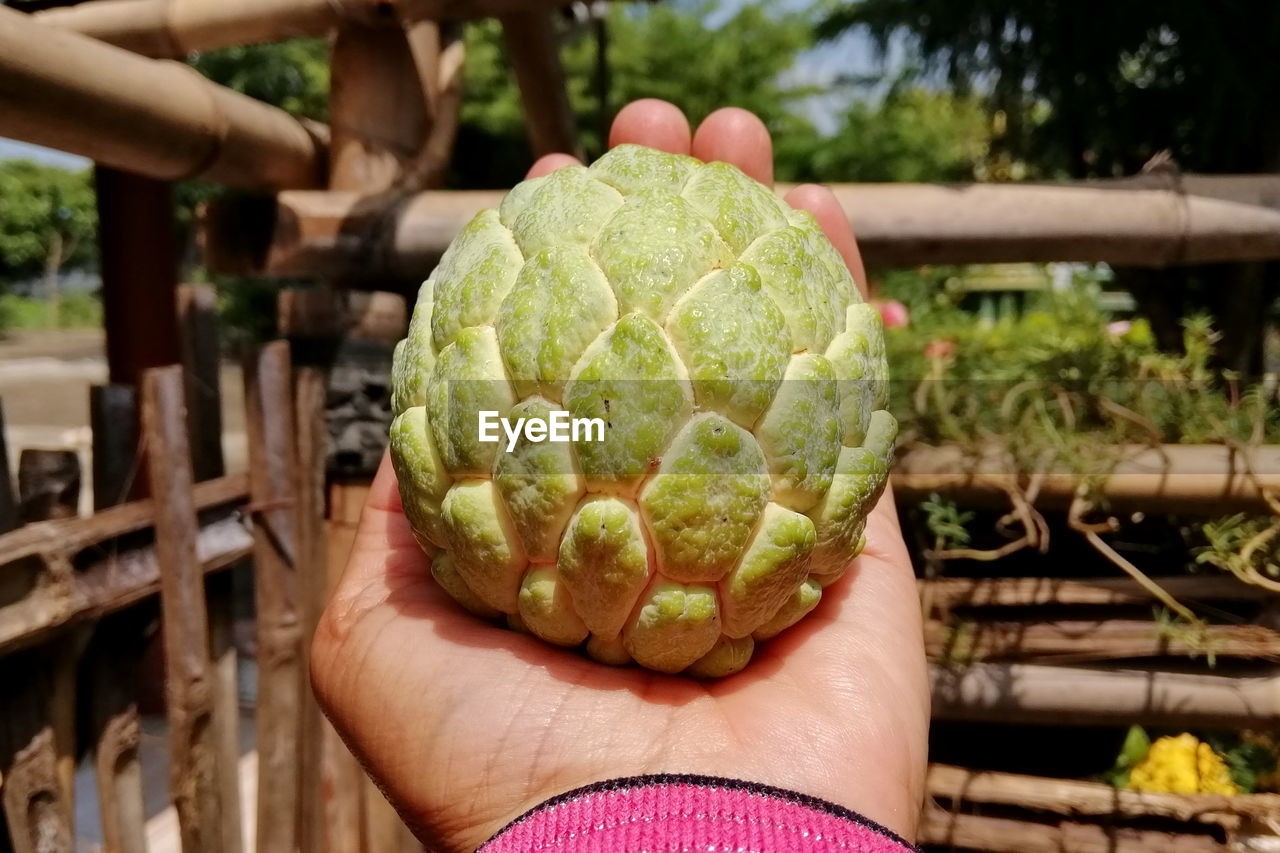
[
  {"x": 119, "y": 640},
  {"x": 113, "y": 420},
  {"x": 532, "y": 47},
  {"x": 35, "y": 804},
  {"x": 34, "y": 794},
  {"x": 196, "y": 762},
  {"x": 272, "y": 468},
  {"x": 197, "y": 321},
  {"x": 48, "y": 484},
  {"x": 380, "y": 114},
  {"x": 49, "y": 488},
  {"x": 378, "y": 110},
  {"x": 201, "y": 362},
  {"x": 330, "y": 817},
  {"x": 139, "y": 262}
]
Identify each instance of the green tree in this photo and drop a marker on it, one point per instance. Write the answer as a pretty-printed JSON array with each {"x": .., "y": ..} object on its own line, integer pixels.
[
  {"x": 292, "y": 75},
  {"x": 912, "y": 134},
  {"x": 1095, "y": 88},
  {"x": 668, "y": 51},
  {"x": 48, "y": 221}
]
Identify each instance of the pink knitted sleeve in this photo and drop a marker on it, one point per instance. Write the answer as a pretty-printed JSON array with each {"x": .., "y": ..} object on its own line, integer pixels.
[{"x": 691, "y": 813}]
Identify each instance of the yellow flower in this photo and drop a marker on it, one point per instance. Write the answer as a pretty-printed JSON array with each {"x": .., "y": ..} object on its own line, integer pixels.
[{"x": 1182, "y": 765}]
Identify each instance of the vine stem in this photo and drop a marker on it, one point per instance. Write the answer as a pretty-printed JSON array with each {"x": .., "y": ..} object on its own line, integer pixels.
[{"x": 1075, "y": 519}]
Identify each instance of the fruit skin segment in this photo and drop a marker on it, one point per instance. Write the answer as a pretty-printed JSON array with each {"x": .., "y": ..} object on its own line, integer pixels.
[{"x": 741, "y": 382}]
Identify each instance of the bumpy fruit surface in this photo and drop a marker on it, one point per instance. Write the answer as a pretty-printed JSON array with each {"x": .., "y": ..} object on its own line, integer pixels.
[{"x": 741, "y": 384}]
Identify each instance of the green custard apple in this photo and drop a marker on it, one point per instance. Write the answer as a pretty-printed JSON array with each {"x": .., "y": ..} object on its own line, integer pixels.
[{"x": 719, "y": 388}]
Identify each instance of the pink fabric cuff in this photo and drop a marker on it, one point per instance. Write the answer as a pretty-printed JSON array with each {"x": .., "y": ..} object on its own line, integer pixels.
[{"x": 691, "y": 813}]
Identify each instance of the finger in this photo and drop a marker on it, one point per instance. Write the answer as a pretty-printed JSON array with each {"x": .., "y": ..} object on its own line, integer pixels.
[
  {"x": 654, "y": 123},
  {"x": 824, "y": 206},
  {"x": 733, "y": 135},
  {"x": 548, "y": 163}
]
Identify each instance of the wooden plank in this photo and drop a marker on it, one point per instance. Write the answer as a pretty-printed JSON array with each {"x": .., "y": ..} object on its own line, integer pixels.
[
  {"x": 115, "y": 732},
  {"x": 72, "y": 535},
  {"x": 121, "y": 576},
  {"x": 197, "y": 306},
  {"x": 113, "y": 420},
  {"x": 8, "y": 495},
  {"x": 344, "y": 780},
  {"x": 1065, "y": 695},
  {"x": 119, "y": 638},
  {"x": 197, "y": 321},
  {"x": 1078, "y": 640},
  {"x": 1007, "y": 835},
  {"x": 948, "y": 593},
  {"x": 272, "y": 460},
  {"x": 314, "y": 831},
  {"x": 35, "y": 804},
  {"x": 163, "y": 120},
  {"x": 34, "y": 794},
  {"x": 1075, "y": 798},
  {"x": 49, "y": 488},
  {"x": 534, "y": 52},
  {"x": 195, "y": 760}
]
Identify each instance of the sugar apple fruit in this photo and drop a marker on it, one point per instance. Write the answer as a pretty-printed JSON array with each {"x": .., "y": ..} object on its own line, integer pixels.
[{"x": 737, "y": 383}]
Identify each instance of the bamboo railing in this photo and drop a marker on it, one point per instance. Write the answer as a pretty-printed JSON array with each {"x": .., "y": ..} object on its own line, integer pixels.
[
  {"x": 160, "y": 119},
  {"x": 175, "y": 28},
  {"x": 1208, "y": 478},
  {"x": 1060, "y": 695},
  {"x": 1015, "y": 813},
  {"x": 1128, "y": 221}
]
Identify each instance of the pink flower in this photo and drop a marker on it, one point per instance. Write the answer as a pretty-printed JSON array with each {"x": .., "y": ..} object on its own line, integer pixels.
[
  {"x": 1119, "y": 328},
  {"x": 893, "y": 312},
  {"x": 941, "y": 348}
]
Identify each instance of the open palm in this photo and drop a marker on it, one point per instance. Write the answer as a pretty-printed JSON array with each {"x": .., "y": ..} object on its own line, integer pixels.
[{"x": 466, "y": 725}]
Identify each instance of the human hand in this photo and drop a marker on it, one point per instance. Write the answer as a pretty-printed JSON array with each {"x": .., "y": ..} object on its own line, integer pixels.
[{"x": 466, "y": 726}]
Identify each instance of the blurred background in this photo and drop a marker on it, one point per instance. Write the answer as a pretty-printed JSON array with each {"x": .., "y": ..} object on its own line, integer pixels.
[{"x": 1082, "y": 332}]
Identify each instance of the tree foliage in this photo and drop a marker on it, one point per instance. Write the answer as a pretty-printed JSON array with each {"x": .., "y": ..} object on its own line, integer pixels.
[
  {"x": 48, "y": 220},
  {"x": 1122, "y": 81},
  {"x": 667, "y": 51},
  {"x": 1091, "y": 88},
  {"x": 913, "y": 134}
]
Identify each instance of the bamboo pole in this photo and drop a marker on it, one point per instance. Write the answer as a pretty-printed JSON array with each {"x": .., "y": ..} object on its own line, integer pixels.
[
  {"x": 175, "y": 28},
  {"x": 1053, "y": 695},
  {"x": 949, "y": 593},
  {"x": 530, "y": 38},
  {"x": 896, "y": 224},
  {"x": 1007, "y": 835},
  {"x": 272, "y": 474},
  {"x": 1096, "y": 639},
  {"x": 159, "y": 119},
  {"x": 1206, "y": 478},
  {"x": 1075, "y": 798}
]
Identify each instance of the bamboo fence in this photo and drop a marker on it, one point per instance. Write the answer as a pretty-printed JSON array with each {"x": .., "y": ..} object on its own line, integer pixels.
[{"x": 356, "y": 205}]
